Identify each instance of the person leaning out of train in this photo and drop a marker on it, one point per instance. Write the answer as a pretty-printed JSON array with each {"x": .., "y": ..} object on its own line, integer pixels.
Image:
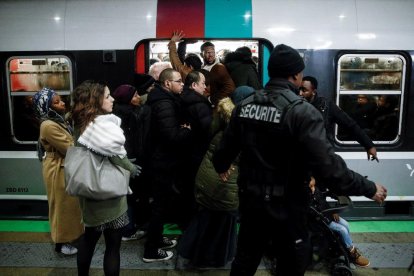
[
  {"x": 99, "y": 130},
  {"x": 55, "y": 138},
  {"x": 332, "y": 115}
]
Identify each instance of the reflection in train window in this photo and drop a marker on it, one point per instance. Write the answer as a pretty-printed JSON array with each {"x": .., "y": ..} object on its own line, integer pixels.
[
  {"x": 26, "y": 76},
  {"x": 370, "y": 90}
]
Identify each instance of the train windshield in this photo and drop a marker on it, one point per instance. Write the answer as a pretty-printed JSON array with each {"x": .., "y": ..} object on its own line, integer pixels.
[{"x": 370, "y": 90}]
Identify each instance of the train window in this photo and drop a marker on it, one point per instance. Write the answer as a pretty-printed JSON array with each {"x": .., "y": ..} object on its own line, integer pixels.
[
  {"x": 26, "y": 76},
  {"x": 153, "y": 50},
  {"x": 370, "y": 90}
]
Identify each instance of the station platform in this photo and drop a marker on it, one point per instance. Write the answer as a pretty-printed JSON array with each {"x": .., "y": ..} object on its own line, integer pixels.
[{"x": 32, "y": 253}]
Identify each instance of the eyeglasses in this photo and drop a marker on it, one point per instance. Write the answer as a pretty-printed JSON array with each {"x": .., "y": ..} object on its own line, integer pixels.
[{"x": 177, "y": 81}]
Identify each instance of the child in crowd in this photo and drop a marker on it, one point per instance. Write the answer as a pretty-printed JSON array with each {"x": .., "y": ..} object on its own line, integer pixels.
[{"x": 338, "y": 224}]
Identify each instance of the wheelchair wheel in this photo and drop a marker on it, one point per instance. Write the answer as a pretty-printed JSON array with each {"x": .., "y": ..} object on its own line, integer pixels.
[{"x": 341, "y": 270}]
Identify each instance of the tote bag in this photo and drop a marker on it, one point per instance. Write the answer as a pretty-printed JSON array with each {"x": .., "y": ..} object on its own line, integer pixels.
[{"x": 93, "y": 176}]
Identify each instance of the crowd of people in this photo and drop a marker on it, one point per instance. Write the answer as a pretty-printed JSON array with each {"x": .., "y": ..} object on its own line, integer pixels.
[{"x": 207, "y": 147}]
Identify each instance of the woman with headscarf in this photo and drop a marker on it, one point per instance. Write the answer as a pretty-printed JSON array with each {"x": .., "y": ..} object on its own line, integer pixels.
[{"x": 55, "y": 138}]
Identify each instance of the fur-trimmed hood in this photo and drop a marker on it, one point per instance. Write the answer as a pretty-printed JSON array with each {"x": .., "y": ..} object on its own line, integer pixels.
[{"x": 224, "y": 108}]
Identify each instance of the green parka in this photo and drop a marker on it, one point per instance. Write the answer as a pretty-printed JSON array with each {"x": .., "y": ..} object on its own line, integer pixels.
[{"x": 210, "y": 191}]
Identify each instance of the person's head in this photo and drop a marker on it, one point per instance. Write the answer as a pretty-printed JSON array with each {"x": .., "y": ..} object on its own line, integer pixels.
[
  {"x": 143, "y": 83},
  {"x": 46, "y": 100},
  {"x": 285, "y": 62},
  {"x": 240, "y": 93},
  {"x": 90, "y": 99},
  {"x": 245, "y": 52},
  {"x": 206, "y": 74},
  {"x": 171, "y": 81},
  {"x": 126, "y": 94},
  {"x": 208, "y": 52},
  {"x": 196, "y": 81},
  {"x": 388, "y": 102},
  {"x": 308, "y": 88},
  {"x": 193, "y": 61},
  {"x": 362, "y": 99},
  {"x": 156, "y": 69}
]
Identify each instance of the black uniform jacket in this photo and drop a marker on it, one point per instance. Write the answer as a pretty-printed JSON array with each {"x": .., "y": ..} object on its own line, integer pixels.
[
  {"x": 334, "y": 115},
  {"x": 279, "y": 150}
]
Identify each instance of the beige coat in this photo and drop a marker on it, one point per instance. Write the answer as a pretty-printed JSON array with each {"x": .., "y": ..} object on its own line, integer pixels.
[{"x": 64, "y": 211}]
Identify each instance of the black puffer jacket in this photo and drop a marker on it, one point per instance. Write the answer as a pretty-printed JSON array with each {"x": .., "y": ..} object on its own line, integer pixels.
[
  {"x": 167, "y": 136},
  {"x": 136, "y": 126},
  {"x": 197, "y": 111},
  {"x": 278, "y": 150},
  {"x": 242, "y": 70}
]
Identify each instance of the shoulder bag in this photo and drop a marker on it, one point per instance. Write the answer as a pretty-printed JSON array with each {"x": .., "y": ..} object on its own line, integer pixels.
[{"x": 93, "y": 176}]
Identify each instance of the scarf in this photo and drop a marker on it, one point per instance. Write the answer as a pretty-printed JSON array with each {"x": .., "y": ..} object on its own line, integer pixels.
[
  {"x": 209, "y": 66},
  {"x": 104, "y": 136},
  {"x": 42, "y": 102}
]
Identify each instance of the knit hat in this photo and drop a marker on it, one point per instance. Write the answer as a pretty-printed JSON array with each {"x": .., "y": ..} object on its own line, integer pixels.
[
  {"x": 124, "y": 93},
  {"x": 284, "y": 61},
  {"x": 42, "y": 101},
  {"x": 143, "y": 82},
  {"x": 241, "y": 92}
]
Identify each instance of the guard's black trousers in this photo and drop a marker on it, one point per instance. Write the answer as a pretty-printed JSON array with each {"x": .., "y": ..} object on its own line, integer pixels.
[{"x": 288, "y": 238}]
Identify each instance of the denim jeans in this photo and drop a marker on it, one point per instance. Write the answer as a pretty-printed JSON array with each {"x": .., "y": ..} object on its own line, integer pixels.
[{"x": 342, "y": 227}]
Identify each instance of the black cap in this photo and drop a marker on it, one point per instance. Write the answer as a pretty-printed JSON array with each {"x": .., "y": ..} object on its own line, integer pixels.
[
  {"x": 143, "y": 82},
  {"x": 284, "y": 61}
]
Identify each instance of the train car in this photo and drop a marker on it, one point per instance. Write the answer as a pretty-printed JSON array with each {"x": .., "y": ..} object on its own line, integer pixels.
[{"x": 355, "y": 48}]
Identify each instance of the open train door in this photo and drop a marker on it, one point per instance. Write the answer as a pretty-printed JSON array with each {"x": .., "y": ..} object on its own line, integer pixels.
[{"x": 148, "y": 51}]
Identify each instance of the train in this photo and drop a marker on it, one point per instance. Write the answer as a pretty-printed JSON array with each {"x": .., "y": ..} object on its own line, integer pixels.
[{"x": 355, "y": 48}]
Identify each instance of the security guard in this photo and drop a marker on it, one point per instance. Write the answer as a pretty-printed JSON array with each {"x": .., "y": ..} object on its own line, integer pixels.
[{"x": 280, "y": 139}]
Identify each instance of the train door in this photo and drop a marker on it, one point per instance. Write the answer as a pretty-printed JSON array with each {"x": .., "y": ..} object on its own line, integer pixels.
[{"x": 148, "y": 51}]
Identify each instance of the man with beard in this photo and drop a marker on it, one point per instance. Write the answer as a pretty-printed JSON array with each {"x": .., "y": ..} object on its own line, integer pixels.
[{"x": 221, "y": 84}]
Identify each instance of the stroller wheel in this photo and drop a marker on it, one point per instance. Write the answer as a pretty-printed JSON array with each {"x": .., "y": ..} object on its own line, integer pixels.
[{"x": 341, "y": 270}]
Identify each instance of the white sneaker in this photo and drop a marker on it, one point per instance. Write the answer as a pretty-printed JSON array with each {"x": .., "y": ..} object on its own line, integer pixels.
[
  {"x": 138, "y": 235},
  {"x": 68, "y": 249}
]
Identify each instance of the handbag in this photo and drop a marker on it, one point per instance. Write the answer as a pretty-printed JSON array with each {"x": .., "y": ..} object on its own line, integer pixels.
[{"x": 93, "y": 176}]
